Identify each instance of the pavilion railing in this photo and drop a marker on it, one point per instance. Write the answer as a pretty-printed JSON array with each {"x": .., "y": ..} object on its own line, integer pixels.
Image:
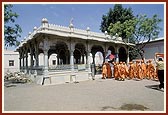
[{"x": 67, "y": 67}]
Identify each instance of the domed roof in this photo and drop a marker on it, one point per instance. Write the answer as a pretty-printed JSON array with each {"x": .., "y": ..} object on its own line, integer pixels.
[{"x": 44, "y": 20}]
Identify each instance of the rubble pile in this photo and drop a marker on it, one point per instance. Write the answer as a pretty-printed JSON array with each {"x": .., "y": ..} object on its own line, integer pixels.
[{"x": 17, "y": 77}]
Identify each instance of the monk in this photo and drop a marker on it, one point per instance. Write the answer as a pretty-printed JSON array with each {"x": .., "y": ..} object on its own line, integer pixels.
[
  {"x": 136, "y": 69},
  {"x": 139, "y": 70},
  {"x": 104, "y": 71},
  {"x": 151, "y": 70},
  {"x": 143, "y": 66},
  {"x": 131, "y": 70},
  {"x": 109, "y": 72},
  {"x": 116, "y": 70},
  {"x": 121, "y": 72},
  {"x": 126, "y": 69}
]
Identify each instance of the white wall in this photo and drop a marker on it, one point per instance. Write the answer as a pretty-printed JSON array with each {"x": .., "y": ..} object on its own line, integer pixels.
[
  {"x": 152, "y": 48},
  {"x": 11, "y": 55}
]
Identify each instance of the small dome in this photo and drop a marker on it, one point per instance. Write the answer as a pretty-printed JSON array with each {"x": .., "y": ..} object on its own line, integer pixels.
[
  {"x": 44, "y": 20},
  {"x": 35, "y": 28},
  {"x": 88, "y": 29},
  {"x": 29, "y": 33},
  {"x": 71, "y": 25}
]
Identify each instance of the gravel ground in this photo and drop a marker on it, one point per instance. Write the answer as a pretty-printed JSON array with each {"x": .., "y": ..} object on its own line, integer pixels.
[{"x": 86, "y": 96}]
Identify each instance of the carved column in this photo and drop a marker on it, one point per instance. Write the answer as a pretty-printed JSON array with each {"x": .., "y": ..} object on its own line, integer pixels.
[
  {"x": 46, "y": 62},
  {"x": 128, "y": 59},
  {"x": 26, "y": 55},
  {"x": 36, "y": 58},
  {"x": 72, "y": 48},
  {"x": 23, "y": 61},
  {"x": 72, "y": 60},
  {"x": 45, "y": 50},
  {"x": 20, "y": 60},
  {"x": 117, "y": 52},
  {"x": 88, "y": 58},
  {"x": 58, "y": 59},
  {"x": 31, "y": 60}
]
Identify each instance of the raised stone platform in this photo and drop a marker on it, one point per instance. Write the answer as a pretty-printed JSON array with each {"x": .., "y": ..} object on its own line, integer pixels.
[{"x": 61, "y": 77}]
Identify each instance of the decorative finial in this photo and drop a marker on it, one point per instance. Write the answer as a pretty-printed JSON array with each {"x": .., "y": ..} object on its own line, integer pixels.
[{"x": 71, "y": 24}]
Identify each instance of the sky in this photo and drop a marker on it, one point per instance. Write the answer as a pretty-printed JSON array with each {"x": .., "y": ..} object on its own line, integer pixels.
[{"x": 84, "y": 15}]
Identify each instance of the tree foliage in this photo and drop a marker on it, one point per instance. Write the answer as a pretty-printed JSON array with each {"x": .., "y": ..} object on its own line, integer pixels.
[
  {"x": 124, "y": 30},
  {"x": 146, "y": 30},
  {"x": 11, "y": 30},
  {"x": 134, "y": 29},
  {"x": 117, "y": 15}
]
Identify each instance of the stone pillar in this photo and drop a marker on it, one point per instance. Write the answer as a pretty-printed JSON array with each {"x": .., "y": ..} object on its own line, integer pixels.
[
  {"x": 72, "y": 60},
  {"x": 36, "y": 56},
  {"x": 20, "y": 63},
  {"x": 88, "y": 58},
  {"x": 57, "y": 59},
  {"x": 71, "y": 51},
  {"x": 26, "y": 55},
  {"x": 93, "y": 55},
  {"x": 31, "y": 60},
  {"x": 23, "y": 62},
  {"x": 45, "y": 62},
  {"x": 128, "y": 59},
  {"x": 20, "y": 60},
  {"x": 36, "y": 59},
  {"x": 45, "y": 50},
  {"x": 117, "y": 52}
]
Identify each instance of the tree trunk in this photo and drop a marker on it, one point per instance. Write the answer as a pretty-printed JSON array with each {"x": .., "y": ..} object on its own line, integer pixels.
[{"x": 142, "y": 55}]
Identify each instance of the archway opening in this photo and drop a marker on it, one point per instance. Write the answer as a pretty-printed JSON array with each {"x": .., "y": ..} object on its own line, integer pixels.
[
  {"x": 112, "y": 49},
  {"x": 97, "y": 49},
  {"x": 80, "y": 54},
  {"x": 122, "y": 54}
]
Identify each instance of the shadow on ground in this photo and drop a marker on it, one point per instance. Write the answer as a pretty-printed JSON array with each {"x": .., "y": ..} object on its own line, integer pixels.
[
  {"x": 126, "y": 107},
  {"x": 155, "y": 87},
  {"x": 12, "y": 83}
]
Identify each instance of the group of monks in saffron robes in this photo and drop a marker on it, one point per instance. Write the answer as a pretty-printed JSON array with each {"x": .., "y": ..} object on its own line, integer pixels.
[
  {"x": 137, "y": 70},
  {"x": 106, "y": 71}
]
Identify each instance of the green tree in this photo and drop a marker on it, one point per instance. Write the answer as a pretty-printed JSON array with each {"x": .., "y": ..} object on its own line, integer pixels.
[
  {"x": 146, "y": 30},
  {"x": 11, "y": 30},
  {"x": 134, "y": 29},
  {"x": 114, "y": 15},
  {"x": 124, "y": 30},
  {"x": 138, "y": 30}
]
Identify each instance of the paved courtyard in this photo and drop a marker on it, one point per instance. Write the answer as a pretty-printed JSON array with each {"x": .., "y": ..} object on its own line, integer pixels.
[{"x": 86, "y": 96}]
